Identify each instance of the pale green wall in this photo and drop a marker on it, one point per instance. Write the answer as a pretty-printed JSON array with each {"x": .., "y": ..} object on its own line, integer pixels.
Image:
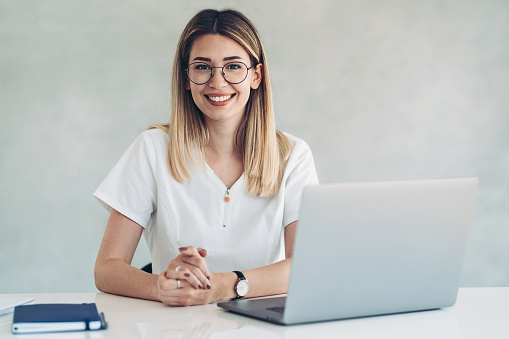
[{"x": 379, "y": 89}]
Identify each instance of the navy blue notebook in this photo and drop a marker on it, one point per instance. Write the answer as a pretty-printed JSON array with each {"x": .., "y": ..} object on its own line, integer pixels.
[{"x": 56, "y": 318}]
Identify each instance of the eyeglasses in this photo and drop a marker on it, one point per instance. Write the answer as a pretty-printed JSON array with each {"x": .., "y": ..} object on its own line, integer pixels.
[{"x": 233, "y": 72}]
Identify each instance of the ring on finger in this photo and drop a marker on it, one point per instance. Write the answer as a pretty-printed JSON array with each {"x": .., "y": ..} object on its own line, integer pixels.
[
  {"x": 178, "y": 283},
  {"x": 178, "y": 268}
]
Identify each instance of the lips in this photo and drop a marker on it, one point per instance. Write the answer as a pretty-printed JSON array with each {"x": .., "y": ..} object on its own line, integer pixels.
[{"x": 219, "y": 98}]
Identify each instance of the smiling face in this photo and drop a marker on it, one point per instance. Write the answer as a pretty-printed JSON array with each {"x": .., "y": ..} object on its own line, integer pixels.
[{"x": 219, "y": 100}]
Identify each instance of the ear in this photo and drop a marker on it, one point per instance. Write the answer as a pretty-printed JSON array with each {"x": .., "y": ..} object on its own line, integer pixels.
[
  {"x": 188, "y": 85},
  {"x": 257, "y": 76}
]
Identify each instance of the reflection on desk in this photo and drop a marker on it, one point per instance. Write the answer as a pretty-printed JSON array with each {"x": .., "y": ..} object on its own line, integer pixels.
[{"x": 478, "y": 313}]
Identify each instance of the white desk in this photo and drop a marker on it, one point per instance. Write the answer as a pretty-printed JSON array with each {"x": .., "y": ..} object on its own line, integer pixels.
[{"x": 478, "y": 313}]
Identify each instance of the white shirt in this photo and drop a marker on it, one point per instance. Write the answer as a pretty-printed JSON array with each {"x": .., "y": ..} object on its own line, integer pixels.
[{"x": 244, "y": 233}]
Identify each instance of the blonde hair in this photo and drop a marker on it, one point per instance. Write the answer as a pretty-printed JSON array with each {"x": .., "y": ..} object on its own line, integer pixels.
[{"x": 265, "y": 150}]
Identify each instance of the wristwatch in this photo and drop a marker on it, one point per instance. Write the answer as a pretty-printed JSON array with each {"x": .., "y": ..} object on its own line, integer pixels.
[{"x": 242, "y": 286}]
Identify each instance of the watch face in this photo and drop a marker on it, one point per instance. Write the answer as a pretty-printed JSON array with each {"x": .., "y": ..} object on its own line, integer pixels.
[{"x": 242, "y": 288}]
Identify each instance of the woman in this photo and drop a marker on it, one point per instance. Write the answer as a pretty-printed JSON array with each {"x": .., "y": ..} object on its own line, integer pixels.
[{"x": 216, "y": 192}]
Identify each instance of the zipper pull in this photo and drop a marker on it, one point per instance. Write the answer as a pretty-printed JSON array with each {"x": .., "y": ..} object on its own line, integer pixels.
[{"x": 226, "y": 201}]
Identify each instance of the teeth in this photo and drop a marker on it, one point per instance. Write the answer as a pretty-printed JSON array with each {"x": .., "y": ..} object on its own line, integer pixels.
[{"x": 218, "y": 99}]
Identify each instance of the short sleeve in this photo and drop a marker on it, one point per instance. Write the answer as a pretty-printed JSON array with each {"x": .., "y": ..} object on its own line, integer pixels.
[
  {"x": 130, "y": 187},
  {"x": 301, "y": 172}
]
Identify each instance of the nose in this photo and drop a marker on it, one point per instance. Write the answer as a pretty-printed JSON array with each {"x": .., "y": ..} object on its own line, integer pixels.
[{"x": 217, "y": 80}]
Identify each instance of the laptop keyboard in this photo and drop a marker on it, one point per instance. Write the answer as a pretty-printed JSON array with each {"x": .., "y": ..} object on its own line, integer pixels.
[{"x": 278, "y": 309}]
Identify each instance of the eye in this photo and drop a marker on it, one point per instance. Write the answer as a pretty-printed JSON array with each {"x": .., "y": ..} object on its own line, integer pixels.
[
  {"x": 234, "y": 66},
  {"x": 201, "y": 67}
]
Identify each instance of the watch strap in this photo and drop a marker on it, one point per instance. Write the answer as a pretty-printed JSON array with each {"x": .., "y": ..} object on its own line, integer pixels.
[{"x": 241, "y": 277}]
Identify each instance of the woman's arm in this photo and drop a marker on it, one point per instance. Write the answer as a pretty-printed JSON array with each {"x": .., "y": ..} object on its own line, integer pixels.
[
  {"x": 113, "y": 271},
  {"x": 272, "y": 279}
]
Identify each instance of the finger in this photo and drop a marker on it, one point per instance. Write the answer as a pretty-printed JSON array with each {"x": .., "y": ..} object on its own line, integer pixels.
[
  {"x": 192, "y": 256},
  {"x": 183, "y": 264},
  {"x": 192, "y": 251},
  {"x": 189, "y": 250},
  {"x": 165, "y": 284},
  {"x": 184, "y": 297},
  {"x": 168, "y": 281},
  {"x": 198, "y": 262},
  {"x": 179, "y": 297},
  {"x": 174, "y": 264},
  {"x": 195, "y": 277},
  {"x": 202, "y": 252},
  {"x": 200, "y": 276},
  {"x": 175, "y": 302},
  {"x": 199, "y": 268},
  {"x": 169, "y": 288},
  {"x": 185, "y": 275}
]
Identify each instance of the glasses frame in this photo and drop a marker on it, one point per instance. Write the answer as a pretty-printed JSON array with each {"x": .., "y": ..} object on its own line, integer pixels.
[{"x": 222, "y": 72}]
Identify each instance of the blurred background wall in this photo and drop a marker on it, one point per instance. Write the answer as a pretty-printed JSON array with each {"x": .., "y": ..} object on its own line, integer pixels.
[{"x": 379, "y": 89}]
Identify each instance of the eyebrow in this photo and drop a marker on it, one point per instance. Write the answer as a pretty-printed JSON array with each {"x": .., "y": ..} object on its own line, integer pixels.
[{"x": 224, "y": 59}]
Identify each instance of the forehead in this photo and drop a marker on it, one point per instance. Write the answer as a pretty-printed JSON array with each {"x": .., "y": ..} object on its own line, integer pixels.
[{"x": 216, "y": 47}]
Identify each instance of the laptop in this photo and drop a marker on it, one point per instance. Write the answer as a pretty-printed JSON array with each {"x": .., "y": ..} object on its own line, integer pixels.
[{"x": 373, "y": 248}]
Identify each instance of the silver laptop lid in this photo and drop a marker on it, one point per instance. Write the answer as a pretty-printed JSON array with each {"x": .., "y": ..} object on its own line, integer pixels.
[{"x": 394, "y": 246}]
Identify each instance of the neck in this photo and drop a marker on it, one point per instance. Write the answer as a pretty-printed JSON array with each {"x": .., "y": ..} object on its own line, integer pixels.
[{"x": 223, "y": 138}]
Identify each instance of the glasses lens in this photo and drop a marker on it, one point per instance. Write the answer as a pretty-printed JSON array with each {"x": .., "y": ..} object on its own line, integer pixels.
[
  {"x": 235, "y": 72},
  {"x": 199, "y": 72}
]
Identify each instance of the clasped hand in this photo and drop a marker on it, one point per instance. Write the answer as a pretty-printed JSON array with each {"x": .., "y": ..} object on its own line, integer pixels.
[{"x": 186, "y": 281}]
